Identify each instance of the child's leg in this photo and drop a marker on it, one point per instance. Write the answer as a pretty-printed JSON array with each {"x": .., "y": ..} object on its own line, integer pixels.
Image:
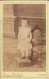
[
  {"x": 28, "y": 53},
  {"x": 28, "y": 50},
  {"x": 22, "y": 53}
]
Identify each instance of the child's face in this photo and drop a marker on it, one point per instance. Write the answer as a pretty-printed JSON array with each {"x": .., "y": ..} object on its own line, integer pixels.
[{"x": 24, "y": 23}]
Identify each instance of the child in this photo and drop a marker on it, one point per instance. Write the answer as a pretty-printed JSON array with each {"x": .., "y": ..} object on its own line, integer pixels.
[{"x": 24, "y": 39}]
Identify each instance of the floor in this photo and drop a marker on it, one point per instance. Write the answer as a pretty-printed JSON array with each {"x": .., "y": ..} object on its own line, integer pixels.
[{"x": 11, "y": 54}]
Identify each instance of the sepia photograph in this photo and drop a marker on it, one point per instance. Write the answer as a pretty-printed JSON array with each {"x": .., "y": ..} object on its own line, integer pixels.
[{"x": 24, "y": 37}]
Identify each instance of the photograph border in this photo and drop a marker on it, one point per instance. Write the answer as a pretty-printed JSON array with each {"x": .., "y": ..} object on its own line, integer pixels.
[{"x": 23, "y": 74}]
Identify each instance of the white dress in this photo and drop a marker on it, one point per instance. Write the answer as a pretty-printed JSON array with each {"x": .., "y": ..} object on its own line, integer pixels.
[{"x": 24, "y": 40}]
